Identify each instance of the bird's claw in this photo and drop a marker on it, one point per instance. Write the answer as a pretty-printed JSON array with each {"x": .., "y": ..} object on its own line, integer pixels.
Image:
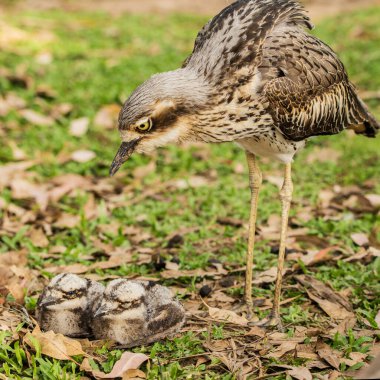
[
  {"x": 270, "y": 322},
  {"x": 246, "y": 309}
]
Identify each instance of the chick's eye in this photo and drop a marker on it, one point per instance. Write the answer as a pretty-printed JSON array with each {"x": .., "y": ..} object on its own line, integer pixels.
[
  {"x": 71, "y": 294},
  {"x": 145, "y": 125}
]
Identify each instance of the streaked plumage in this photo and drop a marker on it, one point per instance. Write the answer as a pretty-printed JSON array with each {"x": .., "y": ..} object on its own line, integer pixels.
[
  {"x": 66, "y": 305},
  {"x": 258, "y": 78},
  {"x": 137, "y": 313}
]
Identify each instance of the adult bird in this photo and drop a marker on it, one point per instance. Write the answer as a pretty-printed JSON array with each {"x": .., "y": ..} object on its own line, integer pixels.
[{"x": 255, "y": 77}]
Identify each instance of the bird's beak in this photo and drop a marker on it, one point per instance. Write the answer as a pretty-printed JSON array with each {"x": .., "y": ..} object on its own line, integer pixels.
[
  {"x": 103, "y": 310},
  {"x": 47, "y": 301},
  {"x": 122, "y": 155}
]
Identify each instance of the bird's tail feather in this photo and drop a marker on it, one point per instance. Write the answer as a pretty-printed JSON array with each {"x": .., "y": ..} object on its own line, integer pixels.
[
  {"x": 366, "y": 124},
  {"x": 370, "y": 126}
]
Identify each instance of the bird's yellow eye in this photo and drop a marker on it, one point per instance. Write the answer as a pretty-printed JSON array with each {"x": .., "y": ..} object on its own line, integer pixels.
[{"x": 145, "y": 125}]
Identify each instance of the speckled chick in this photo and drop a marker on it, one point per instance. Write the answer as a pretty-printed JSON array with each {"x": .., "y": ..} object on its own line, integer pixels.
[
  {"x": 135, "y": 313},
  {"x": 67, "y": 305}
]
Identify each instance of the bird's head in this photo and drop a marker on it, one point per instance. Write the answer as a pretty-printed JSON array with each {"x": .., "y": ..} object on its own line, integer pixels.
[
  {"x": 122, "y": 298},
  {"x": 65, "y": 292},
  {"x": 160, "y": 111}
]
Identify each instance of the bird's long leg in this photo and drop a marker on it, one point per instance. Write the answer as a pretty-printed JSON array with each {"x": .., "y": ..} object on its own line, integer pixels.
[
  {"x": 286, "y": 199},
  {"x": 255, "y": 180}
]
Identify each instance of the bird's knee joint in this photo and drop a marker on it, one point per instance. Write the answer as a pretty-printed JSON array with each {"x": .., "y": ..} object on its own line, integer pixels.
[
  {"x": 256, "y": 180},
  {"x": 286, "y": 193}
]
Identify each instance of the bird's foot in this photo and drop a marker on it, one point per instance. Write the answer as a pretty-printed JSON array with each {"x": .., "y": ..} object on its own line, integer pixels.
[
  {"x": 273, "y": 321},
  {"x": 246, "y": 310}
]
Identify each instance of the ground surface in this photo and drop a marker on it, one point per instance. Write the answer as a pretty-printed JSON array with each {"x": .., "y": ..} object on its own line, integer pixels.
[
  {"x": 317, "y": 9},
  {"x": 178, "y": 217}
]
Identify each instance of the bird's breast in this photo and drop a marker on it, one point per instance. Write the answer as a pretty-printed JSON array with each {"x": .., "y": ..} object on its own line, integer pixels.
[{"x": 273, "y": 145}]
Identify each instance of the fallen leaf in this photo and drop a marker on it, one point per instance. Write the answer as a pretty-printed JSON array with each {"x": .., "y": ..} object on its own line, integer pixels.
[
  {"x": 314, "y": 257},
  {"x": 284, "y": 348},
  {"x": 192, "y": 182},
  {"x": 44, "y": 58},
  {"x": 38, "y": 238},
  {"x": 79, "y": 127},
  {"x": 360, "y": 239},
  {"x": 133, "y": 374},
  {"x": 54, "y": 345},
  {"x": 328, "y": 354},
  {"x": 107, "y": 116},
  {"x": 377, "y": 319},
  {"x": 17, "y": 153},
  {"x": 187, "y": 273},
  {"x": 67, "y": 220},
  {"x": 128, "y": 361},
  {"x": 23, "y": 189},
  {"x": 142, "y": 171},
  {"x": 300, "y": 373},
  {"x": 268, "y": 276},
  {"x": 36, "y": 118},
  {"x": 374, "y": 199},
  {"x": 227, "y": 316},
  {"x": 371, "y": 371},
  {"x": 332, "y": 303},
  {"x": 83, "y": 156}
]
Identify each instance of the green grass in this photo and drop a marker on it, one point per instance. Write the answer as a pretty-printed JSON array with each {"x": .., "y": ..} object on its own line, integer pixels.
[{"x": 98, "y": 62}]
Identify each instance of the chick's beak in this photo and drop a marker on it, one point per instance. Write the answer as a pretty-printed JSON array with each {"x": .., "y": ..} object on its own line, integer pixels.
[
  {"x": 103, "y": 310},
  {"x": 122, "y": 155},
  {"x": 47, "y": 301}
]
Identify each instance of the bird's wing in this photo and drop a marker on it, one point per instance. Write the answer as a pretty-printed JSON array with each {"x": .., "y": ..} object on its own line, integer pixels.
[
  {"x": 307, "y": 89},
  {"x": 233, "y": 39},
  {"x": 165, "y": 317}
]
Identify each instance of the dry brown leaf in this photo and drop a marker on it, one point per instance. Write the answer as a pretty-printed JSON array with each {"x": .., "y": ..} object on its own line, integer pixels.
[
  {"x": 66, "y": 220},
  {"x": 128, "y": 361},
  {"x": 256, "y": 331},
  {"x": 268, "y": 276},
  {"x": 142, "y": 171},
  {"x": 9, "y": 171},
  {"x": 83, "y": 156},
  {"x": 332, "y": 303},
  {"x": 74, "y": 268},
  {"x": 107, "y": 116},
  {"x": 284, "y": 348},
  {"x": 300, "y": 373},
  {"x": 44, "y": 58},
  {"x": 36, "y": 118},
  {"x": 192, "y": 182},
  {"x": 133, "y": 374},
  {"x": 227, "y": 316},
  {"x": 358, "y": 256},
  {"x": 360, "y": 239},
  {"x": 187, "y": 273},
  {"x": 55, "y": 345},
  {"x": 343, "y": 326},
  {"x": 371, "y": 371},
  {"x": 17, "y": 153},
  {"x": 38, "y": 238},
  {"x": 23, "y": 189},
  {"x": 325, "y": 198},
  {"x": 377, "y": 319},
  {"x": 79, "y": 127},
  {"x": 10, "y": 320},
  {"x": 374, "y": 199},
  {"x": 328, "y": 354},
  {"x": 314, "y": 257}
]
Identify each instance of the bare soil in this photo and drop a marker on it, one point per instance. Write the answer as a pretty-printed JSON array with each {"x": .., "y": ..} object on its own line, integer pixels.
[{"x": 317, "y": 8}]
